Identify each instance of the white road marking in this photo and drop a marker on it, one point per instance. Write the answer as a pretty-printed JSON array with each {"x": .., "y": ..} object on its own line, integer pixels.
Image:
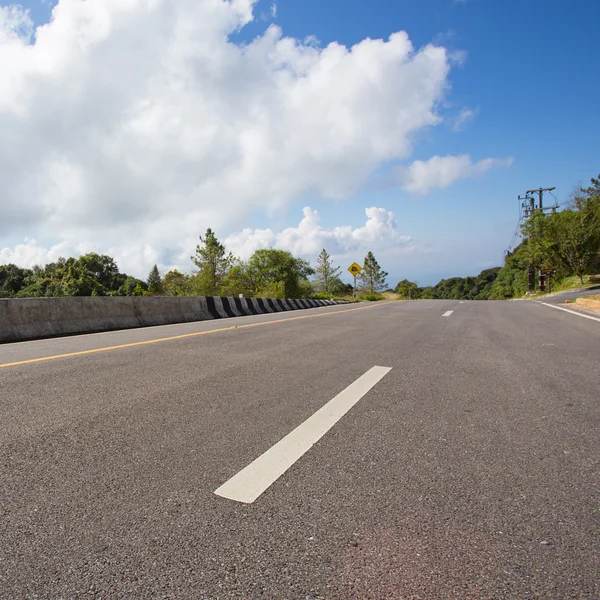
[
  {"x": 573, "y": 312},
  {"x": 461, "y": 301},
  {"x": 259, "y": 475},
  {"x": 447, "y": 313}
]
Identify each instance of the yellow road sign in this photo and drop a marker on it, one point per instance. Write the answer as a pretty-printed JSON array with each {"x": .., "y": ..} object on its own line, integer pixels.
[{"x": 355, "y": 268}]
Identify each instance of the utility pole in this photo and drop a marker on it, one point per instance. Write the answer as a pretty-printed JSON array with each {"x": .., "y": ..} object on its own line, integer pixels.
[
  {"x": 529, "y": 208},
  {"x": 540, "y": 193},
  {"x": 527, "y": 204}
]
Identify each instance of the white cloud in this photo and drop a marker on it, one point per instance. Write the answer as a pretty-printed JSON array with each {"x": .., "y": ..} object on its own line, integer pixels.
[
  {"x": 463, "y": 117},
  {"x": 15, "y": 25},
  {"x": 309, "y": 237},
  {"x": 30, "y": 253},
  {"x": 132, "y": 125},
  {"x": 312, "y": 40},
  {"x": 136, "y": 255},
  {"x": 274, "y": 10},
  {"x": 442, "y": 171}
]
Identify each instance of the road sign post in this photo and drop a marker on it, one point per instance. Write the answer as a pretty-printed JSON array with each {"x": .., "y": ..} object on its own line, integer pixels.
[{"x": 355, "y": 269}]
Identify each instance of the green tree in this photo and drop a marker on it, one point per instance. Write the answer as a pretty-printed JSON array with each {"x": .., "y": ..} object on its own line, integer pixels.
[
  {"x": 567, "y": 241},
  {"x": 213, "y": 264},
  {"x": 339, "y": 288},
  {"x": 89, "y": 275},
  {"x": 537, "y": 241},
  {"x": 588, "y": 197},
  {"x": 176, "y": 284},
  {"x": 97, "y": 274},
  {"x": 483, "y": 284},
  {"x": 572, "y": 239},
  {"x": 426, "y": 293},
  {"x": 372, "y": 276},
  {"x": 326, "y": 273},
  {"x": 13, "y": 279},
  {"x": 237, "y": 281},
  {"x": 155, "y": 282},
  {"x": 132, "y": 287},
  {"x": 271, "y": 272},
  {"x": 464, "y": 288},
  {"x": 408, "y": 290},
  {"x": 511, "y": 279},
  {"x": 510, "y": 283}
]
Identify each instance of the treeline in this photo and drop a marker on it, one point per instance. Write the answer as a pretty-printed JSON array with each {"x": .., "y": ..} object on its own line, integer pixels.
[
  {"x": 455, "y": 288},
  {"x": 560, "y": 245},
  {"x": 89, "y": 275},
  {"x": 270, "y": 273}
]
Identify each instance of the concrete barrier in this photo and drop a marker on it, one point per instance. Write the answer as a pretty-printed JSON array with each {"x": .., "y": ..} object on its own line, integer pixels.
[{"x": 34, "y": 318}]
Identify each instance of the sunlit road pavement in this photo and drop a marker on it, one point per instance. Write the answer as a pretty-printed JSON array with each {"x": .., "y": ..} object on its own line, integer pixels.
[{"x": 469, "y": 469}]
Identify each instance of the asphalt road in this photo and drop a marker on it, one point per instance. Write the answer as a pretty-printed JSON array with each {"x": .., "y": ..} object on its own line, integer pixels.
[
  {"x": 564, "y": 296},
  {"x": 470, "y": 470}
]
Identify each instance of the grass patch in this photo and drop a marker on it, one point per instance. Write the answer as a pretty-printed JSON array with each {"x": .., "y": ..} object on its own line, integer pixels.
[
  {"x": 363, "y": 297},
  {"x": 390, "y": 296},
  {"x": 369, "y": 297},
  {"x": 571, "y": 283}
]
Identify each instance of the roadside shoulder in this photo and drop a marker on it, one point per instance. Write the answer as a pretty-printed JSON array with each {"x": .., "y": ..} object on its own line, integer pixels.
[
  {"x": 575, "y": 310},
  {"x": 591, "y": 304}
]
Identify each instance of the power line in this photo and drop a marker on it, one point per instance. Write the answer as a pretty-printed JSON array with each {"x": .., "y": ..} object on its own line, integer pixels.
[{"x": 514, "y": 238}]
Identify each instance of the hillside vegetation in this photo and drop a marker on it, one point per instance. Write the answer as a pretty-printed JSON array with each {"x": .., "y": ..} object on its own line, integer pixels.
[{"x": 565, "y": 245}]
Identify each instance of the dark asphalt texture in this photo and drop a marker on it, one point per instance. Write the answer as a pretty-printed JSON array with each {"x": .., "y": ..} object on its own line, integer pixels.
[{"x": 471, "y": 471}]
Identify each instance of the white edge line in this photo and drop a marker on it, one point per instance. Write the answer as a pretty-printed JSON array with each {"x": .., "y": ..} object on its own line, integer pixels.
[
  {"x": 447, "y": 313},
  {"x": 260, "y": 474},
  {"x": 573, "y": 312}
]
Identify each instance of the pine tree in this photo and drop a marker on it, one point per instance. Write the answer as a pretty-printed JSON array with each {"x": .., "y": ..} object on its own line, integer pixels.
[
  {"x": 372, "y": 276},
  {"x": 155, "y": 283},
  {"x": 326, "y": 272},
  {"x": 213, "y": 263}
]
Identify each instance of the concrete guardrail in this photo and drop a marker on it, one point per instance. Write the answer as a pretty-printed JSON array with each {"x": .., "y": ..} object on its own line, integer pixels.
[{"x": 35, "y": 318}]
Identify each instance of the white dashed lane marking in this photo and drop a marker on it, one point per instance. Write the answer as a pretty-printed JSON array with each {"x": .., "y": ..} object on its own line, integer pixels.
[{"x": 259, "y": 475}]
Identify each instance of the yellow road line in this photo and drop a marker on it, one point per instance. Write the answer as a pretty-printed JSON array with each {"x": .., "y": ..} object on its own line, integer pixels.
[{"x": 183, "y": 336}]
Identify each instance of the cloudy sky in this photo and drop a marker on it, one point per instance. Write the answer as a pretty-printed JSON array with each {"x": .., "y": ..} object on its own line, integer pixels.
[{"x": 407, "y": 128}]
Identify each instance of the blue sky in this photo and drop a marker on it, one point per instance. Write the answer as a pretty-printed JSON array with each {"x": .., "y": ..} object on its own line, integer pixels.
[
  {"x": 528, "y": 75},
  {"x": 522, "y": 73}
]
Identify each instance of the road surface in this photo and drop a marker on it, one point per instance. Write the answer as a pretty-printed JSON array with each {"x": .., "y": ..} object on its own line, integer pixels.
[
  {"x": 466, "y": 467},
  {"x": 564, "y": 296}
]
